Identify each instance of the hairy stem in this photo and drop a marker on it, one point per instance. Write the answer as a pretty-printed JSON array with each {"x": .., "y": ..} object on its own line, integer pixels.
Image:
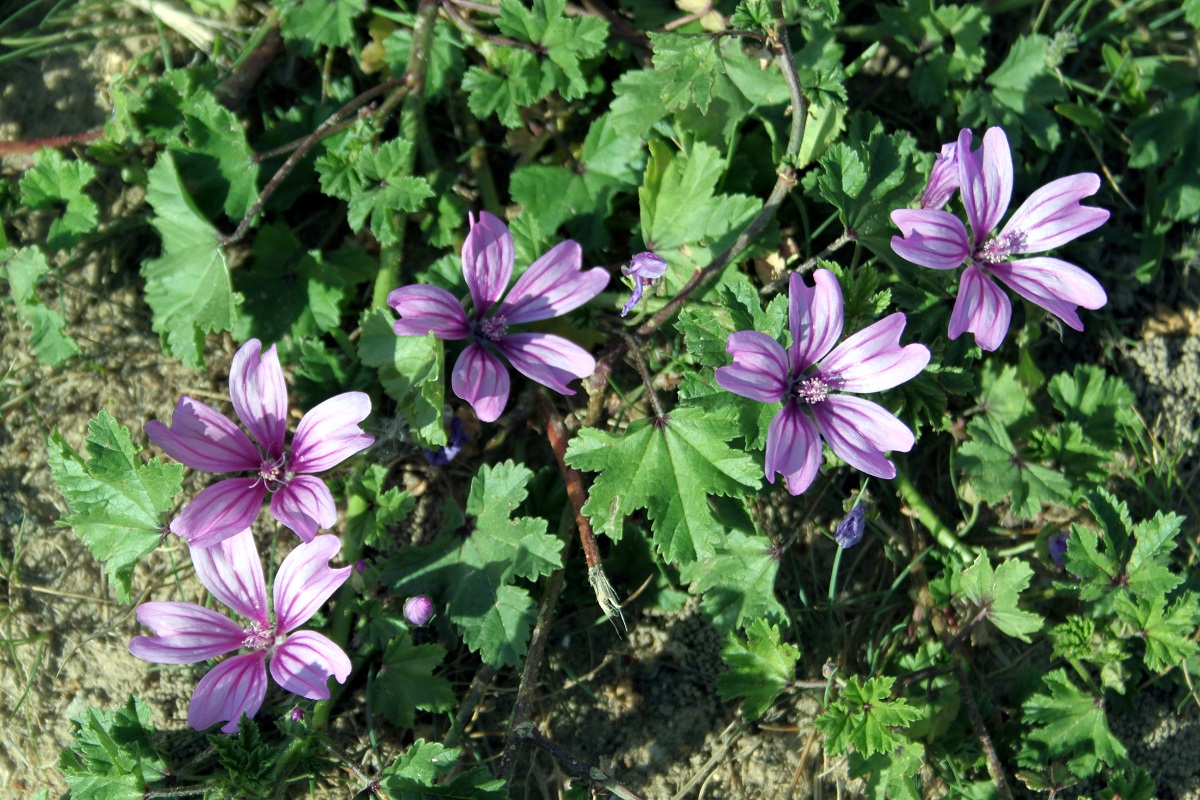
[
  {"x": 926, "y": 515},
  {"x": 837, "y": 244},
  {"x": 575, "y": 765},
  {"x": 529, "y": 675},
  {"x": 388, "y": 277},
  {"x": 324, "y": 129},
  {"x": 985, "y": 740}
]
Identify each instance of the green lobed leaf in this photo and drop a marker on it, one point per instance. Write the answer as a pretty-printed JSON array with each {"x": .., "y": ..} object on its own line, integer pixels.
[
  {"x": 24, "y": 268},
  {"x": 53, "y": 180},
  {"x": 324, "y": 23},
  {"x": 410, "y": 369},
  {"x": 381, "y": 508},
  {"x": 1162, "y": 138},
  {"x": 668, "y": 467},
  {"x": 1001, "y": 396},
  {"x": 557, "y": 48},
  {"x": 406, "y": 681},
  {"x": 566, "y": 41},
  {"x": 610, "y": 164},
  {"x": 188, "y": 286},
  {"x": 867, "y": 176},
  {"x": 521, "y": 546},
  {"x": 1072, "y": 725},
  {"x": 290, "y": 292},
  {"x": 690, "y": 64},
  {"x": 995, "y": 470},
  {"x": 473, "y": 576},
  {"x": 247, "y": 762},
  {"x": 113, "y": 756},
  {"x": 1130, "y": 558},
  {"x": 386, "y": 188},
  {"x": 862, "y": 718},
  {"x": 1020, "y": 94},
  {"x": 893, "y": 775},
  {"x": 415, "y": 775},
  {"x": 218, "y": 161},
  {"x": 684, "y": 220},
  {"x": 998, "y": 592},
  {"x": 1165, "y": 631},
  {"x": 1102, "y": 405},
  {"x": 117, "y": 502},
  {"x": 760, "y": 668},
  {"x": 737, "y": 582}
]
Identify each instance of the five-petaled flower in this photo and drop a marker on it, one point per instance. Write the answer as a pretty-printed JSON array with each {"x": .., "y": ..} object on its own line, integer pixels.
[
  {"x": 205, "y": 439},
  {"x": 552, "y": 286},
  {"x": 806, "y": 379},
  {"x": 645, "y": 268},
  {"x": 1052, "y": 216},
  {"x": 301, "y": 661}
]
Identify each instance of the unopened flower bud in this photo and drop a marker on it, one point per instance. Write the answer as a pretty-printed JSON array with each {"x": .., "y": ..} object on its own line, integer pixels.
[
  {"x": 297, "y": 714},
  {"x": 850, "y": 530},
  {"x": 418, "y": 610}
]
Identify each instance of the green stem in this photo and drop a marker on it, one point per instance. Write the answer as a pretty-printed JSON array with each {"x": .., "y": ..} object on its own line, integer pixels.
[
  {"x": 287, "y": 762},
  {"x": 413, "y": 105},
  {"x": 927, "y": 516},
  {"x": 339, "y": 625}
]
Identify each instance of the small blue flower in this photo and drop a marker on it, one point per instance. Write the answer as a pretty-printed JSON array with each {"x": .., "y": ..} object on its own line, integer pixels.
[
  {"x": 850, "y": 530},
  {"x": 444, "y": 455},
  {"x": 645, "y": 268},
  {"x": 1057, "y": 545}
]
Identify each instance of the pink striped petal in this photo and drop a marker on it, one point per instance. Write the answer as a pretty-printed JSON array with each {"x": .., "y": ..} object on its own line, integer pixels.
[
  {"x": 550, "y": 360},
  {"x": 815, "y": 318},
  {"x": 304, "y": 663},
  {"x": 305, "y": 505},
  {"x": 943, "y": 178},
  {"x": 1052, "y": 216},
  {"x": 329, "y": 433},
  {"x": 231, "y": 688},
  {"x": 204, "y": 439},
  {"x": 1055, "y": 285},
  {"x": 793, "y": 448},
  {"x": 985, "y": 180},
  {"x": 487, "y": 257},
  {"x": 552, "y": 286},
  {"x": 872, "y": 360},
  {"x": 185, "y": 633},
  {"x": 220, "y": 511},
  {"x": 481, "y": 379},
  {"x": 860, "y": 432},
  {"x": 305, "y": 581},
  {"x": 260, "y": 395},
  {"x": 934, "y": 239},
  {"x": 981, "y": 308},
  {"x": 232, "y": 571},
  {"x": 759, "y": 369},
  {"x": 428, "y": 308}
]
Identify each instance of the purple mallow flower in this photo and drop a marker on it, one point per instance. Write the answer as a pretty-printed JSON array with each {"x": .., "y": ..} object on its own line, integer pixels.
[
  {"x": 645, "y": 268},
  {"x": 872, "y": 360},
  {"x": 418, "y": 610},
  {"x": 551, "y": 287},
  {"x": 850, "y": 530},
  {"x": 206, "y": 440},
  {"x": 1052, "y": 216},
  {"x": 301, "y": 661}
]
